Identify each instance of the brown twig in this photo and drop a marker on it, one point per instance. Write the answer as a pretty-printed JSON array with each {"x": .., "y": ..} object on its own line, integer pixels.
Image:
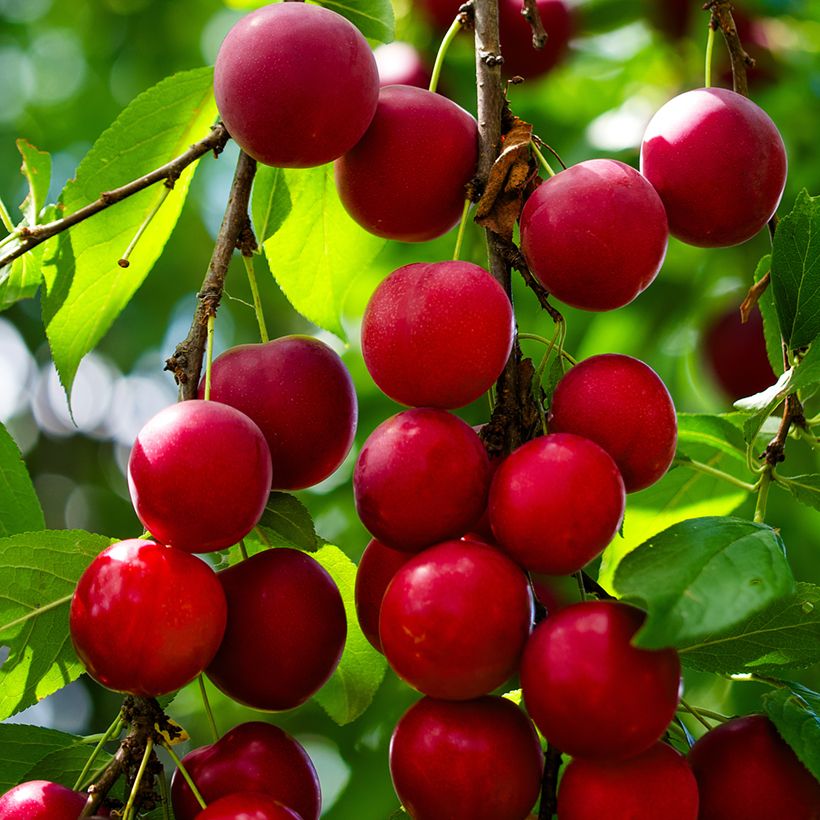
[
  {"x": 721, "y": 11},
  {"x": 186, "y": 361},
  {"x": 549, "y": 783},
  {"x": 753, "y": 296},
  {"x": 531, "y": 14},
  {"x": 30, "y": 237}
]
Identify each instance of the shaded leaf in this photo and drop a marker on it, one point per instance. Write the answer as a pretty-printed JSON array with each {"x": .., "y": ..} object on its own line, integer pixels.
[
  {"x": 785, "y": 635},
  {"x": 286, "y": 522},
  {"x": 20, "y": 509},
  {"x": 805, "y": 488},
  {"x": 38, "y": 573},
  {"x": 65, "y": 765},
  {"x": 36, "y": 169},
  {"x": 270, "y": 202},
  {"x": 716, "y": 432},
  {"x": 352, "y": 686},
  {"x": 796, "y": 272},
  {"x": 85, "y": 287},
  {"x": 318, "y": 250},
  {"x": 807, "y": 373},
  {"x": 768, "y": 310},
  {"x": 795, "y": 712},
  {"x": 703, "y": 576}
]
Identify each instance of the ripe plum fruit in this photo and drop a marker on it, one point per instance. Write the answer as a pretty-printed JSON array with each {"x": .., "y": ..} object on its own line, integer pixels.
[{"x": 41, "y": 800}]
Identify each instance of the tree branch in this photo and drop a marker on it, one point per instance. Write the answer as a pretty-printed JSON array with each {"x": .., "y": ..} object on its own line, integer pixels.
[
  {"x": 531, "y": 14},
  {"x": 549, "y": 783},
  {"x": 186, "y": 362},
  {"x": 722, "y": 18},
  {"x": 30, "y": 237}
]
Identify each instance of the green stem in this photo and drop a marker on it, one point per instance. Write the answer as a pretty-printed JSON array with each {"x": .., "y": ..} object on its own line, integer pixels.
[
  {"x": 5, "y": 217},
  {"x": 762, "y": 496},
  {"x": 110, "y": 732},
  {"x": 207, "y": 706},
  {"x": 129, "y": 806},
  {"x": 243, "y": 549},
  {"x": 209, "y": 356},
  {"x": 710, "y": 45},
  {"x": 166, "y": 798},
  {"x": 257, "y": 302},
  {"x": 123, "y": 261},
  {"x": 542, "y": 159},
  {"x": 461, "y": 226},
  {"x": 34, "y": 613},
  {"x": 710, "y": 714},
  {"x": 184, "y": 772},
  {"x": 454, "y": 29},
  {"x": 716, "y": 473},
  {"x": 695, "y": 714}
]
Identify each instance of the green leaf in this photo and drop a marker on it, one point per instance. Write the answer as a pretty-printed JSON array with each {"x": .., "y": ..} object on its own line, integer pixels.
[
  {"x": 36, "y": 169},
  {"x": 39, "y": 571},
  {"x": 85, "y": 287},
  {"x": 270, "y": 202},
  {"x": 807, "y": 373},
  {"x": 318, "y": 250},
  {"x": 21, "y": 279},
  {"x": 805, "y": 488},
  {"x": 286, "y": 522},
  {"x": 796, "y": 272},
  {"x": 761, "y": 405},
  {"x": 716, "y": 432},
  {"x": 32, "y": 749},
  {"x": 703, "y": 576},
  {"x": 768, "y": 310},
  {"x": 354, "y": 683},
  {"x": 374, "y": 18},
  {"x": 795, "y": 712},
  {"x": 20, "y": 509},
  {"x": 785, "y": 635}
]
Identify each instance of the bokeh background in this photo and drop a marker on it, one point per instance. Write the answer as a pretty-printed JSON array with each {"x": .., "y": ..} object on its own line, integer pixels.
[{"x": 67, "y": 69}]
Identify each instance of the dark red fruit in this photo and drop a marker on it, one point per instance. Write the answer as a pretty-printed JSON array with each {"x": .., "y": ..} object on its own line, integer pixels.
[
  {"x": 421, "y": 478},
  {"x": 247, "y": 806},
  {"x": 590, "y": 692},
  {"x": 145, "y": 618},
  {"x": 622, "y": 405},
  {"x": 516, "y": 37},
  {"x": 746, "y": 771},
  {"x": 671, "y": 17},
  {"x": 437, "y": 334},
  {"x": 286, "y": 630},
  {"x": 736, "y": 352},
  {"x": 377, "y": 566},
  {"x": 199, "y": 475},
  {"x": 556, "y": 502},
  {"x": 719, "y": 164},
  {"x": 455, "y": 618},
  {"x": 595, "y": 235},
  {"x": 469, "y": 760},
  {"x": 41, "y": 800},
  {"x": 657, "y": 783},
  {"x": 296, "y": 85},
  {"x": 405, "y": 178},
  {"x": 252, "y": 757},
  {"x": 401, "y": 64},
  {"x": 300, "y": 394}
]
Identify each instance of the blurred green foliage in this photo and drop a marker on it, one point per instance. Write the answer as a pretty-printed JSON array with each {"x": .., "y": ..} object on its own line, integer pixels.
[{"x": 67, "y": 69}]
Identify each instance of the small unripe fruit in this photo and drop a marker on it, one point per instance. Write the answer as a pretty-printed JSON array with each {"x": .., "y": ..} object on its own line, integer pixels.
[
  {"x": 437, "y": 334},
  {"x": 247, "y": 806},
  {"x": 455, "y": 618},
  {"x": 421, "y": 478},
  {"x": 41, "y": 800},
  {"x": 556, "y": 502},
  {"x": 746, "y": 771},
  {"x": 657, "y": 783},
  {"x": 405, "y": 178},
  {"x": 719, "y": 164},
  {"x": 199, "y": 475},
  {"x": 285, "y": 633},
  {"x": 590, "y": 692},
  {"x": 300, "y": 394},
  {"x": 622, "y": 405},
  {"x": 295, "y": 84},
  {"x": 251, "y": 757},
  {"x": 468, "y": 760},
  {"x": 145, "y": 618},
  {"x": 595, "y": 234}
]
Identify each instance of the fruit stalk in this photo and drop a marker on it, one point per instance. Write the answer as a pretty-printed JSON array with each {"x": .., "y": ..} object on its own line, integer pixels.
[{"x": 721, "y": 11}]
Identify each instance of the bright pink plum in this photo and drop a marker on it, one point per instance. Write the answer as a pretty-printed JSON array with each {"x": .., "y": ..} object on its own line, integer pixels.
[
  {"x": 251, "y": 757},
  {"x": 405, "y": 178},
  {"x": 719, "y": 164},
  {"x": 199, "y": 475},
  {"x": 296, "y": 84},
  {"x": 300, "y": 394},
  {"x": 622, "y": 405},
  {"x": 455, "y": 618},
  {"x": 556, "y": 502},
  {"x": 286, "y": 630},
  {"x": 467, "y": 760},
  {"x": 146, "y": 618},
  {"x": 421, "y": 478},
  {"x": 41, "y": 800},
  {"x": 437, "y": 334},
  {"x": 590, "y": 691},
  {"x": 247, "y": 806},
  {"x": 595, "y": 234}
]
